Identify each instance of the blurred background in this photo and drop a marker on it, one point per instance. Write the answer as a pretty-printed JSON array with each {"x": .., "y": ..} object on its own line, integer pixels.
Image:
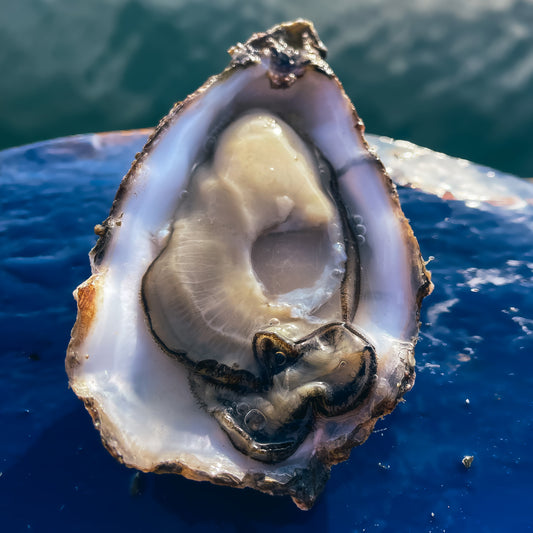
[{"x": 455, "y": 76}]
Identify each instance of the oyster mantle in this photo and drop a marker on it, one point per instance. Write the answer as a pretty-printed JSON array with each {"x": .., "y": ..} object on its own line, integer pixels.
[{"x": 270, "y": 399}]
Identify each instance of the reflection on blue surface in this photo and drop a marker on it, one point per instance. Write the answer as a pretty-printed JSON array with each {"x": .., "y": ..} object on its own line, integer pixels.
[{"x": 476, "y": 344}]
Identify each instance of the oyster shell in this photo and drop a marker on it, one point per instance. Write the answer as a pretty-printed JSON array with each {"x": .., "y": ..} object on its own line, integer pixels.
[{"x": 255, "y": 291}]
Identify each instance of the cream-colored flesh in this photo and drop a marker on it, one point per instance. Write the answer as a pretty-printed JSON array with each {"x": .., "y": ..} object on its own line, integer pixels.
[{"x": 259, "y": 196}]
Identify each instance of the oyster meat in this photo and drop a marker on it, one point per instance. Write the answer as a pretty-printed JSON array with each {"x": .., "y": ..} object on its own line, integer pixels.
[{"x": 255, "y": 291}]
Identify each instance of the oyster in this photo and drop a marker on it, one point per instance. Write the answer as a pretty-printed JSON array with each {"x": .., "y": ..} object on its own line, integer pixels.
[{"x": 255, "y": 291}]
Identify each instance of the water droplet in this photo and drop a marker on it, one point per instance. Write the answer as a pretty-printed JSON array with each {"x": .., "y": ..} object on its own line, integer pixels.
[
  {"x": 255, "y": 420},
  {"x": 360, "y": 229},
  {"x": 273, "y": 322},
  {"x": 358, "y": 219},
  {"x": 361, "y": 239}
]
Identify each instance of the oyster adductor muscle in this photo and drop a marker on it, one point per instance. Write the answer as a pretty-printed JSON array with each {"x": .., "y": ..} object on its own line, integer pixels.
[{"x": 255, "y": 291}]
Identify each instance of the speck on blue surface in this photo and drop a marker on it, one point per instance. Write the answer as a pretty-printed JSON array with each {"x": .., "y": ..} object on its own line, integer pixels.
[{"x": 473, "y": 394}]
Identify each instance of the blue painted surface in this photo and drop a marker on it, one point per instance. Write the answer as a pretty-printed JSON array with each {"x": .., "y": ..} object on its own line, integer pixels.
[{"x": 476, "y": 343}]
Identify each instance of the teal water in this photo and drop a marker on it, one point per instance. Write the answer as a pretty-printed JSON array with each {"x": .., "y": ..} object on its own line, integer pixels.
[{"x": 454, "y": 76}]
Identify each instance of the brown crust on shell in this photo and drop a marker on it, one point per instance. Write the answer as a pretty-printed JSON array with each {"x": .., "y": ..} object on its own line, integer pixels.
[
  {"x": 86, "y": 296},
  {"x": 304, "y": 487},
  {"x": 291, "y": 48}
]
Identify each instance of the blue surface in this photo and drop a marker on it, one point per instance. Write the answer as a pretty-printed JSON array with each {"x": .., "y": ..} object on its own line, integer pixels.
[{"x": 476, "y": 343}]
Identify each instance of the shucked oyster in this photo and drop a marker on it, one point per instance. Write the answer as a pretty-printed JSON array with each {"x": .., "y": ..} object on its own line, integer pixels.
[{"x": 255, "y": 294}]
